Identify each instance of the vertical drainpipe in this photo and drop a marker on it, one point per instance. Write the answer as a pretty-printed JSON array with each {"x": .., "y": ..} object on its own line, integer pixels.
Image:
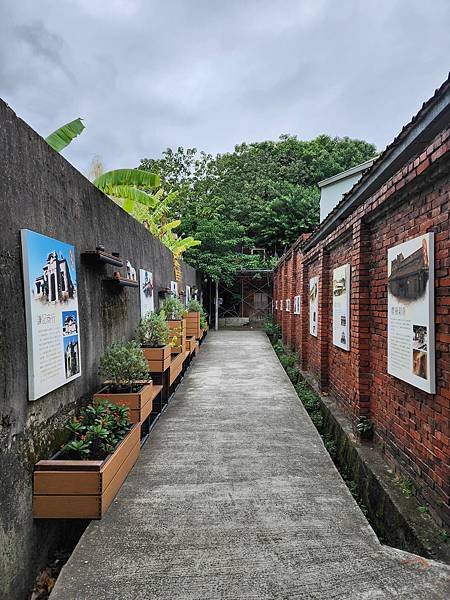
[{"x": 216, "y": 325}]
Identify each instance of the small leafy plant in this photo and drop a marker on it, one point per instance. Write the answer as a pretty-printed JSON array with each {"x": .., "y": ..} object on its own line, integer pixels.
[
  {"x": 153, "y": 330},
  {"x": 365, "y": 428},
  {"x": 194, "y": 306},
  {"x": 96, "y": 431},
  {"x": 203, "y": 321},
  {"x": 123, "y": 365},
  {"x": 173, "y": 309},
  {"x": 272, "y": 329}
]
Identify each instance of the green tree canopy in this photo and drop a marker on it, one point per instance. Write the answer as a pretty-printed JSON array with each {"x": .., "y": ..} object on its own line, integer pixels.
[{"x": 262, "y": 194}]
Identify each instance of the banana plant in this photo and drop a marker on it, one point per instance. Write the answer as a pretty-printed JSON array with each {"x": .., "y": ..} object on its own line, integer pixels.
[
  {"x": 62, "y": 137},
  {"x": 126, "y": 185}
]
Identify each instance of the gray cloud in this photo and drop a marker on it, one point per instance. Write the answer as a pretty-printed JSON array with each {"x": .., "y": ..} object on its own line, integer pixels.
[{"x": 147, "y": 74}]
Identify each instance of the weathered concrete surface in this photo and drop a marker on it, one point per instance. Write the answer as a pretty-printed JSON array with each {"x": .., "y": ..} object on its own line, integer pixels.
[{"x": 235, "y": 497}]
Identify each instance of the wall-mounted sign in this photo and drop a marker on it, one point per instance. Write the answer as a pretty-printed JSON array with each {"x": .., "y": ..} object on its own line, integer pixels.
[
  {"x": 174, "y": 289},
  {"x": 146, "y": 292},
  {"x": 341, "y": 307},
  {"x": 188, "y": 294},
  {"x": 276, "y": 304},
  {"x": 288, "y": 305},
  {"x": 52, "y": 317},
  {"x": 296, "y": 305},
  {"x": 411, "y": 312},
  {"x": 313, "y": 305},
  {"x": 281, "y": 304}
]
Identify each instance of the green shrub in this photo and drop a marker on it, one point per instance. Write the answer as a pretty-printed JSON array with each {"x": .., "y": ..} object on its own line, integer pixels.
[
  {"x": 272, "y": 329},
  {"x": 365, "y": 428},
  {"x": 194, "y": 306},
  {"x": 96, "y": 432},
  {"x": 293, "y": 374},
  {"x": 173, "y": 309},
  {"x": 124, "y": 364},
  {"x": 153, "y": 330}
]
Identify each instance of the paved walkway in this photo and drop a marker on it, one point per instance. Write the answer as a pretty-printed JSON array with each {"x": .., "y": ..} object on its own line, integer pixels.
[{"x": 235, "y": 497}]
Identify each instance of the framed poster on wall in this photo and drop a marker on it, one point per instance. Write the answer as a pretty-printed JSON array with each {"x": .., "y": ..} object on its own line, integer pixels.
[
  {"x": 288, "y": 305},
  {"x": 296, "y": 305},
  {"x": 411, "y": 352},
  {"x": 188, "y": 294},
  {"x": 146, "y": 292},
  {"x": 314, "y": 306},
  {"x": 341, "y": 307},
  {"x": 51, "y": 308},
  {"x": 174, "y": 289}
]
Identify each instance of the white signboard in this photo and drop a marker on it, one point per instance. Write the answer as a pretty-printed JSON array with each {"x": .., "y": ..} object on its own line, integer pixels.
[
  {"x": 313, "y": 305},
  {"x": 174, "y": 289},
  {"x": 188, "y": 294},
  {"x": 146, "y": 292},
  {"x": 288, "y": 305},
  {"x": 341, "y": 307},
  {"x": 276, "y": 304},
  {"x": 411, "y": 312},
  {"x": 281, "y": 304},
  {"x": 52, "y": 317},
  {"x": 296, "y": 305}
]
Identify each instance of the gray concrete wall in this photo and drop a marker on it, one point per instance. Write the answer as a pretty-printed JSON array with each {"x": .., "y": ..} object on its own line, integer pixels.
[{"x": 40, "y": 190}]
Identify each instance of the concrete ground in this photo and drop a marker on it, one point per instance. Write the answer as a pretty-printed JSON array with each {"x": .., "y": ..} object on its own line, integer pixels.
[{"x": 235, "y": 497}]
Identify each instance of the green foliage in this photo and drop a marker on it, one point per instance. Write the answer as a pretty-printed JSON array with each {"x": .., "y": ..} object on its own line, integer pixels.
[
  {"x": 153, "y": 330},
  {"x": 97, "y": 430},
  {"x": 124, "y": 364},
  {"x": 365, "y": 427},
  {"x": 194, "y": 306},
  {"x": 405, "y": 485},
  {"x": 173, "y": 309},
  {"x": 62, "y": 137},
  {"x": 272, "y": 329},
  {"x": 203, "y": 321},
  {"x": 262, "y": 194}
]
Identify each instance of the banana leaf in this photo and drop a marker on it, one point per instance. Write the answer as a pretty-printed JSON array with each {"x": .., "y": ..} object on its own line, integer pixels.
[
  {"x": 62, "y": 137},
  {"x": 130, "y": 195},
  {"x": 129, "y": 177}
]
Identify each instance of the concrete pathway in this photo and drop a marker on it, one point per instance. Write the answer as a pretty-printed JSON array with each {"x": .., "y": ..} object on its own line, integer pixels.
[{"x": 235, "y": 497}]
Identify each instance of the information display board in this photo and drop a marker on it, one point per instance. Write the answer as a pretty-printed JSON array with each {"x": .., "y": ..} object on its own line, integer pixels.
[
  {"x": 146, "y": 292},
  {"x": 411, "y": 351},
  {"x": 52, "y": 317},
  {"x": 341, "y": 307},
  {"x": 296, "y": 305},
  {"x": 313, "y": 305}
]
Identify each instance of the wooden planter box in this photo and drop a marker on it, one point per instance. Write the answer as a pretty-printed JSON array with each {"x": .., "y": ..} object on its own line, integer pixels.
[
  {"x": 191, "y": 345},
  {"x": 83, "y": 489},
  {"x": 193, "y": 325},
  {"x": 140, "y": 403},
  {"x": 158, "y": 359},
  {"x": 178, "y": 329},
  {"x": 176, "y": 367}
]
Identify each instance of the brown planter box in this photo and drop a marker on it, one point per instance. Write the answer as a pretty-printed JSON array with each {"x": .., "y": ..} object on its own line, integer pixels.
[
  {"x": 176, "y": 366},
  {"x": 83, "y": 489},
  {"x": 140, "y": 403},
  {"x": 193, "y": 324},
  {"x": 174, "y": 327},
  {"x": 191, "y": 345},
  {"x": 158, "y": 359}
]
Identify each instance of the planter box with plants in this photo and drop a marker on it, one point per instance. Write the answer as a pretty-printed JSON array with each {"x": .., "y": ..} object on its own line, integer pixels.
[
  {"x": 82, "y": 479},
  {"x": 153, "y": 335},
  {"x": 195, "y": 311},
  {"x": 191, "y": 345},
  {"x": 176, "y": 367},
  {"x": 174, "y": 311},
  {"x": 127, "y": 382}
]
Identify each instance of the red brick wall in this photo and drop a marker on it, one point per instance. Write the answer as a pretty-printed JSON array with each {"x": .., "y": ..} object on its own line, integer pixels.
[{"x": 411, "y": 426}]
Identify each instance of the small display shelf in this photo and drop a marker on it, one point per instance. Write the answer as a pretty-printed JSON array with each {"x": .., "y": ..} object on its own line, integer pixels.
[
  {"x": 121, "y": 282},
  {"x": 98, "y": 257}
]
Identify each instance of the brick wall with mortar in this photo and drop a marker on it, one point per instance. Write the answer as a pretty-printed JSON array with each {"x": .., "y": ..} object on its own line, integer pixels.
[{"x": 411, "y": 426}]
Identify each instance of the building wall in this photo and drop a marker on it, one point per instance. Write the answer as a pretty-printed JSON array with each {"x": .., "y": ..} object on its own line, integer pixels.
[
  {"x": 411, "y": 426},
  {"x": 40, "y": 190},
  {"x": 331, "y": 195}
]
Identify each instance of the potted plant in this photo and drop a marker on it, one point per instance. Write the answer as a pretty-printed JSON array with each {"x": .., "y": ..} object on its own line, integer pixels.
[
  {"x": 81, "y": 480},
  {"x": 175, "y": 312},
  {"x": 126, "y": 379},
  {"x": 195, "y": 312},
  {"x": 153, "y": 335}
]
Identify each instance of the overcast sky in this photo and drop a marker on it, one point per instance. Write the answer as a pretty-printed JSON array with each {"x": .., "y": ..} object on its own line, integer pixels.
[{"x": 148, "y": 74}]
